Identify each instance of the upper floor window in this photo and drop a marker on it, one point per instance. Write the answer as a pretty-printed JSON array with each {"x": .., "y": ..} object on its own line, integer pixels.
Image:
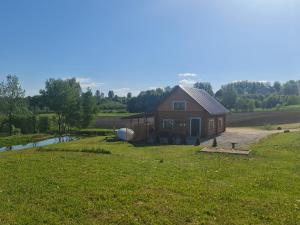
[{"x": 179, "y": 105}]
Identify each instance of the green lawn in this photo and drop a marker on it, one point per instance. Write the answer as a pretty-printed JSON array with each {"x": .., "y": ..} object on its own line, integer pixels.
[
  {"x": 22, "y": 139},
  {"x": 282, "y": 126},
  {"x": 151, "y": 185}
]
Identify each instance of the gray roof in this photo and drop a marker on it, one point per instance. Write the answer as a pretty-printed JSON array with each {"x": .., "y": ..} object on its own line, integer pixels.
[{"x": 209, "y": 103}]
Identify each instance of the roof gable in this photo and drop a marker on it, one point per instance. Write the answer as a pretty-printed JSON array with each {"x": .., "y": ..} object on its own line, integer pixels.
[
  {"x": 177, "y": 94},
  {"x": 209, "y": 103}
]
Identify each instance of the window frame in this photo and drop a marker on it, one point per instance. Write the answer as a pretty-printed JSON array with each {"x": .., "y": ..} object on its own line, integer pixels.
[
  {"x": 213, "y": 124},
  {"x": 179, "y": 101},
  {"x": 220, "y": 121},
  {"x": 170, "y": 120}
]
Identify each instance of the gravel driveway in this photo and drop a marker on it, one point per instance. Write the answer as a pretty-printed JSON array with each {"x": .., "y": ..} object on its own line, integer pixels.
[{"x": 242, "y": 136}]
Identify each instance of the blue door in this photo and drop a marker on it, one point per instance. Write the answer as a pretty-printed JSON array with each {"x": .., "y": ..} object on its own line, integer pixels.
[{"x": 195, "y": 127}]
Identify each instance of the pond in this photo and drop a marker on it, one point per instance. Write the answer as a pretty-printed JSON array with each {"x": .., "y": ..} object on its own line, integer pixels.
[{"x": 46, "y": 142}]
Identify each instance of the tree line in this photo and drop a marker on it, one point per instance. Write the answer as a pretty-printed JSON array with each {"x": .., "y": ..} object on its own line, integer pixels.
[
  {"x": 65, "y": 98},
  {"x": 241, "y": 96},
  {"x": 75, "y": 108}
]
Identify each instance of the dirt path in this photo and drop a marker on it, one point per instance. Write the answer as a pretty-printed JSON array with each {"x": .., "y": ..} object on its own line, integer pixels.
[{"x": 243, "y": 136}]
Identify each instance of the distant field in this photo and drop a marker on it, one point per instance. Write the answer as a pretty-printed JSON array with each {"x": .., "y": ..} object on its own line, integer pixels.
[
  {"x": 263, "y": 118},
  {"x": 282, "y": 108},
  {"x": 276, "y": 126}
]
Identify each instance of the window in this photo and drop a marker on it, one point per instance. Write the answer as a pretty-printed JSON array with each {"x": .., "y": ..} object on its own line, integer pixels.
[
  {"x": 179, "y": 105},
  {"x": 211, "y": 124},
  {"x": 168, "y": 124},
  {"x": 179, "y": 123},
  {"x": 220, "y": 123}
]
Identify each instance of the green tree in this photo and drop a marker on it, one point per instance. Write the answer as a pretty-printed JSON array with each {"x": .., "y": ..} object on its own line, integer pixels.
[
  {"x": 98, "y": 97},
  {"x": 88, "y": 108},
  {"x": 241, "y": 104},
  {"x": 277, "y": 86},
  {"x": 12, "y": 99},
  {"x": 205, "y": 86},
  {"x": 63, "y": 97},
  {"x": 129, "y": 95},
  {"x": 291, "y": 88},
  {"x": 251, "y": 105},
  {"x": 229, "y": 97},
  {"x": 111, "y": 94}
]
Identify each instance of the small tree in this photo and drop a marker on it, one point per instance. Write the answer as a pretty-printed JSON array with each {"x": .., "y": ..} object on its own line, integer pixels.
[
  {"x": 229, "y": 97},
  {"x": 88, "y": 108},
  {"x": 63, "y": 97},
  {"x": 111, "y": 94},
  {"x": 129, "y": 95},
  {"x": 12, "y": 99}
]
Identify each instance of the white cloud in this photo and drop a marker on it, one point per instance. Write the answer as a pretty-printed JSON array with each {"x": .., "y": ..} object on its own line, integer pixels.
[
  {"x": 86, "y": 82},
  {"x": 187, "y": 82},
  {"x": 154, "y": 88},
  {"x": 125, "y": 91},
  {"x": 259, "y": 81},
  {"x": 187, "y": 75}
]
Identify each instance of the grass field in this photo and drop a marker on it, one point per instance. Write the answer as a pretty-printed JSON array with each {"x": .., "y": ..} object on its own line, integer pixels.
[
  {"x": 114, "y": 114},
  {"x": 151, "y": 185},
  {"x": 282, "y": 108},
  {"x": 287, "y": 126},
  {"x": 22, "y": 139}
]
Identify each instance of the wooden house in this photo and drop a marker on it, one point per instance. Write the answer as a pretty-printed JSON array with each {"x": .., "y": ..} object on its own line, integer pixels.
[{"x": 189, "y": 112}]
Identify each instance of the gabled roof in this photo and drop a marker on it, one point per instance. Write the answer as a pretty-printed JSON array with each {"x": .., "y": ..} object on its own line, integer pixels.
[{"x": 209, "y": 103}]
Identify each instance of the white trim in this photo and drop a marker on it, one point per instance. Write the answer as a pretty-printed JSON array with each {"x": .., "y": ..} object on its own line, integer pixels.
[
  {"x": 200, "y": 125},
  {"x": 181, "y": 101}
]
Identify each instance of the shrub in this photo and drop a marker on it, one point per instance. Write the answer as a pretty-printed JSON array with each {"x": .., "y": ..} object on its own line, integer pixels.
[
  {"x": 16, "y": 131},
  {"x": 96, "y": 150},
  {"x": 267, "y": 127},
  {"x": 197, "y": 142},
  {"x": 215, "y": 144},
  {"x": 44, "y": 124},
  {"x": 95, "y": 132}
]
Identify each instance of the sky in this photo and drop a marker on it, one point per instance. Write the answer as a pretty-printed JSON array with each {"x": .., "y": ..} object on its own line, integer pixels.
[{"x": 134, "y": 45}]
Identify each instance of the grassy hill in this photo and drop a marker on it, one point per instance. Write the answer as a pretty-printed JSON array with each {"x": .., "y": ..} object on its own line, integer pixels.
[{"x": 151, "y": 185}]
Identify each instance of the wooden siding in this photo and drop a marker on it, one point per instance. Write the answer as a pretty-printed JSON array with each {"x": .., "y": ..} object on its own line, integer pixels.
[
  {"x": 179, "y": 95},
  {"x": 193, "y": 110}
]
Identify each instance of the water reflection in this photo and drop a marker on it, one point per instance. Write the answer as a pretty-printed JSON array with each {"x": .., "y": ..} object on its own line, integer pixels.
[{"x": 46, "y": 142}]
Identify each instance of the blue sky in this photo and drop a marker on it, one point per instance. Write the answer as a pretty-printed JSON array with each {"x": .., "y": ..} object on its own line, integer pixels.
[{"x": 133, "y": 45}]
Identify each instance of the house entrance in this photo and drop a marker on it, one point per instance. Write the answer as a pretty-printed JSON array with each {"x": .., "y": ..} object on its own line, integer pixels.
[{"x": 195, "y": 127}]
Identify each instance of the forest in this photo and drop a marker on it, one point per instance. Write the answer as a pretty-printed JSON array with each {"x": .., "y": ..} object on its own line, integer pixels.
[{"x": 63, "y": 105}]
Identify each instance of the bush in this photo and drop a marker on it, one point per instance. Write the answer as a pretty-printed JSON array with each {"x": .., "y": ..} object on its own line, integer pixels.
[
  {"x": 268, "y": 127},
  {"x": 44, "y": 124},
  {"x": 197, "y": 142},
  {"x": 16, "y": 131},
  {"x": 27, "y": 125},
  {"x": 96, "y": 150},
  {"x": 95, "y": 132},
  {"x": 215, "y": 144}
]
